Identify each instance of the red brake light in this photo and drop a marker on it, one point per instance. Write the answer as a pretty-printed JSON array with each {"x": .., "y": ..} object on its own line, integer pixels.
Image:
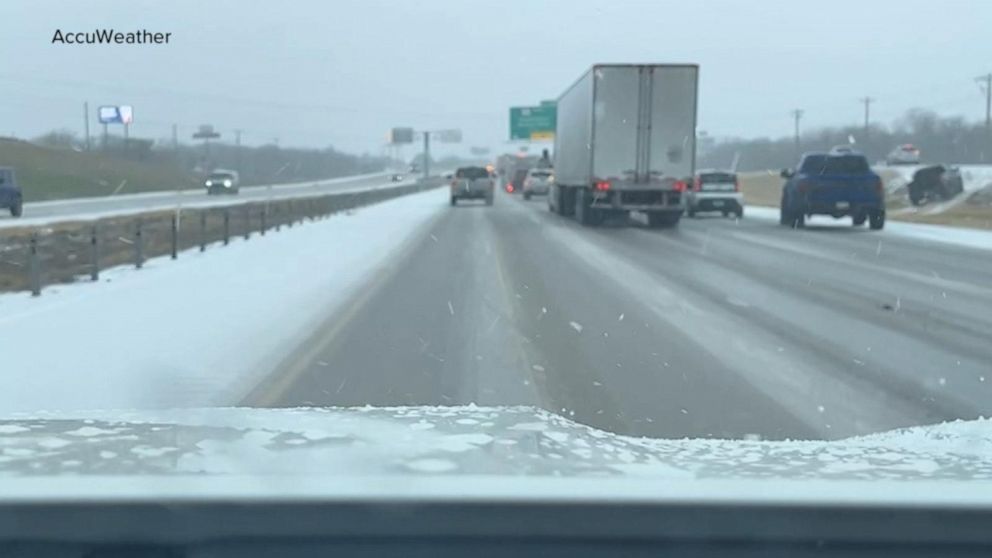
[
  {"x": 679, "y": 186},
  {"x": 509, "y": 187},
  {"x": 602, "y": 186}
]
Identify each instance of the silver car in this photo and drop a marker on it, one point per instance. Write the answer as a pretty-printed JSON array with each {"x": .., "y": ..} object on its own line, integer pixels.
[
  {"x": 715, "y": 190},
  {"x": 538, "y": 182},
  {"x": 472, "y": 183}
]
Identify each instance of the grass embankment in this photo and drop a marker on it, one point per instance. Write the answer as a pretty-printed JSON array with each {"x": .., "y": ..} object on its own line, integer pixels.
[
  {"x": 47, "y": 173},
  {"x": 765, "y": 189}
]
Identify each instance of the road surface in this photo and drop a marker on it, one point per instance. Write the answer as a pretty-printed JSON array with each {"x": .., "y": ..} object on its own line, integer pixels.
[
  {"x": 76, "y": 208},
  {"x": 719, "y": 328}
]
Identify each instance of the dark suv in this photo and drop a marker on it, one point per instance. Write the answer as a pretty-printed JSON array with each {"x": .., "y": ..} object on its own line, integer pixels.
[
  {"x": 10, "y": 194},
  {"x": 839, "y": 184}
]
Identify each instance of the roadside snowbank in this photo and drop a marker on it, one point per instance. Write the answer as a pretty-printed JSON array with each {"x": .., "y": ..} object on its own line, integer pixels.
[
  {"x": 200, "y": 331},
  {"x": 932, "y": 233}
]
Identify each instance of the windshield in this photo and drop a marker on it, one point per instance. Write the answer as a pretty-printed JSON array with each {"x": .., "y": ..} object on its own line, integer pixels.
[
  {"x": 505, "y": 238},
  {"x": 473, "y": 173},
  {"x": 835, "y": 164}
]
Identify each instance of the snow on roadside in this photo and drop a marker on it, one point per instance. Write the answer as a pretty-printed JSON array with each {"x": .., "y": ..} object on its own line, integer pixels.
[
  {"x": 200, "y": 331},
  {"x": 970, "y": 238}
]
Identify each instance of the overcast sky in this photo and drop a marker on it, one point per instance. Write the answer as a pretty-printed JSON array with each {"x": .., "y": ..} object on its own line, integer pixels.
[{"x": 340, "y": 73}]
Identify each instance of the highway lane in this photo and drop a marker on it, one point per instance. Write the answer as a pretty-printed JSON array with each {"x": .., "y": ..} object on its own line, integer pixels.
[
  {"x": 719, "y": 328},
  {"x": 59, "y": 210}
]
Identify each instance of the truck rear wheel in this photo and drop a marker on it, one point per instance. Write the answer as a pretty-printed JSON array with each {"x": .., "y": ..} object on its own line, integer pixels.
[
  {"x": 585, "y": 214},
  {"x": 17, "y": 210},
  {"x": 566, "y": 201}
]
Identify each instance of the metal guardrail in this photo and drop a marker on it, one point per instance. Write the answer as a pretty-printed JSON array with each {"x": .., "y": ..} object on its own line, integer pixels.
[{"x": 34, "y": 257}]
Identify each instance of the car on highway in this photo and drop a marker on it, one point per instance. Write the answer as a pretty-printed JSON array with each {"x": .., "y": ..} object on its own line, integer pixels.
[
  {"x": 714, "y": 191},
  {"x": 11, "y": 196},
  {"x": 934, "y": 182},
  {"x": 472, "y": 183},
  {"x": 516, "y": 182},
  {"x": 835, "y": 184},
  {"x": 537, "y": 182},
  {"x": 222, "y": 182},
  {"x": 396, "y": 177},
  {"x": 905, "y": 154}
]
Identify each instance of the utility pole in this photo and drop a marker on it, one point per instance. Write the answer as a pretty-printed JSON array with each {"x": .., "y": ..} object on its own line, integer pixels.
[
  {"x": 797, "y": 114},
  {"x": 427, "y": 155},
  {"x": 175, "y": 144},
  {"x": 237, "y": 150},
  {"x": 866, "y": 140},
  {"x": 86, "y": 123},
  {"x": 867, "y": 102},
  {"x": 985, "y": 82}
]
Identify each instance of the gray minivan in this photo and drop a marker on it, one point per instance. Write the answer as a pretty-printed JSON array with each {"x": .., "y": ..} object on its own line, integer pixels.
[{"x": 11, "y": 196}]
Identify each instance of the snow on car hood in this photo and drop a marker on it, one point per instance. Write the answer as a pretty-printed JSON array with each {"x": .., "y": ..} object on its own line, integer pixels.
[{"x": 513, "y": 441}]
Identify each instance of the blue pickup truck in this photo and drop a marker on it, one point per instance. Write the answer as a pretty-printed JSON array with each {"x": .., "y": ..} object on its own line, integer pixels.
[
  {"x": 11, "y": 197},
  {"x": 837, "y": 183}
]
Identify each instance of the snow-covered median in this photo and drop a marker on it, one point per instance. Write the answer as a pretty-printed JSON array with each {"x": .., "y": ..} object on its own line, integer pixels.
[{"x": 200, "y": 331}]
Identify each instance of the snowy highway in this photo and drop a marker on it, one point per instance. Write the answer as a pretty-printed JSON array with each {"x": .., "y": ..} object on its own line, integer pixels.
[
  {"x": 89, "y": 208},
  {"x": 718, "y": 328}
]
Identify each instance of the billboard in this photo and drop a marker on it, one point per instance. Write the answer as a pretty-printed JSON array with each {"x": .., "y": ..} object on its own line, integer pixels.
[
  {"x": 533, "y": 123},
  {"x": 206, "y": 132},
  {"x": 401, "y": 135},
  {"x": 449, "y": 136},
  {"x": 116, "y": 114}
]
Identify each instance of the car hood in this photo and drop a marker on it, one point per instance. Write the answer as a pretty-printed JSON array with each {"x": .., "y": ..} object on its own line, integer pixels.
[{"x": 452, "y": 441}]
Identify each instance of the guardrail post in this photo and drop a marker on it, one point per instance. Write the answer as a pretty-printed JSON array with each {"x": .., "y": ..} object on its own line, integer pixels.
[
  {"x": 203, "y": 230},
  {"x": 265, "y": 211},
  {"x": 278, "y": 218},
  {"x": 227, "y": 226},
  {"x": 95, "y": 252},
  {"x": 292, "y": 216},
  {"x": 247, "y": 222},
  {"x": 139, "y": 245},
  {"x": 34, "y": 266},
  {"x": 175, "y": 236}
]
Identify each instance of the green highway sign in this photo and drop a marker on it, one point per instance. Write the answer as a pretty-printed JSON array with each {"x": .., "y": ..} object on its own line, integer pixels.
[{"x": 533, "y": 123}]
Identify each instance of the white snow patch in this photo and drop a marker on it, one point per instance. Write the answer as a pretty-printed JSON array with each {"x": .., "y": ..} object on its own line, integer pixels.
[
  {"x": 173, "y": 334},
  {"x": 90, "y": 431},
  {"x": 576, "y": 326},
  {"x": 971, "y": 238},
  {"x": 431, "y": 465}
]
